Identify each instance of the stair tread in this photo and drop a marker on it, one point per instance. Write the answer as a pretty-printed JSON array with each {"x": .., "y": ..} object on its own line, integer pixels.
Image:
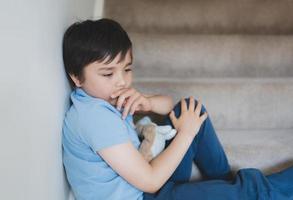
[
  {"x": 227, "y": 16},
  {"x": 263, "y": 149},
  {"x": 214, "y": 80},
  {"x": 267, "y": 150}
]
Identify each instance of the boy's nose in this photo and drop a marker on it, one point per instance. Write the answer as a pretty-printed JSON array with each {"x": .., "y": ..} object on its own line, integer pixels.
[{"x": 121, "y": 82}]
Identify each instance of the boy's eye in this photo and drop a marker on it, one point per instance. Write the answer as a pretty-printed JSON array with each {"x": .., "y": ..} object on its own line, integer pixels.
[{"x": 108, "y": 75}]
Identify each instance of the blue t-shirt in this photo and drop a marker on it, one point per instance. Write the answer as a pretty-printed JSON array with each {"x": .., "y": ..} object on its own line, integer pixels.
[{"x": 90, "y": 125}]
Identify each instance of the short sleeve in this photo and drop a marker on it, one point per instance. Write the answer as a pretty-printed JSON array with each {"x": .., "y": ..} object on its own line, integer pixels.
[{"x": 103, "y": 128}]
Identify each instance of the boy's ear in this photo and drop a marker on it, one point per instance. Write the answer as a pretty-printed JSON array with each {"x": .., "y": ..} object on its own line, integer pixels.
[{"x": 75, "y": 80}]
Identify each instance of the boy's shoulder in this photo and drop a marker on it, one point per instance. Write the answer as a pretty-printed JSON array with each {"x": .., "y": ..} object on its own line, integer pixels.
[
  {"x": 83, "y": 104},
  {"x": 88, "y": 112},
  {"x": 91, "y": 111}
]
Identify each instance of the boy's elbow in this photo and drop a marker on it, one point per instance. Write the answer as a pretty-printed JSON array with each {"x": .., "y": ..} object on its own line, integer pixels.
[
  {"x": 151, "y": 184},
  {"x": 151, "y": 191},
  {"x": 152, "y": 188}
]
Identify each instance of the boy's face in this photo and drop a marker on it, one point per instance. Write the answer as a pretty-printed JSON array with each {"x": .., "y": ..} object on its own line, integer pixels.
[{"x": 101, "y": 80}]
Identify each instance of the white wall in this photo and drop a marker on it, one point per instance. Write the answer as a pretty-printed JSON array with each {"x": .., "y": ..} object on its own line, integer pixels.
[{"x": 34, "y": 95}]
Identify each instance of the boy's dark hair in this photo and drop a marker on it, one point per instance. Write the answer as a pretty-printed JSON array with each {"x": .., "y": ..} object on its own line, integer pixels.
[{"x": 89, "y": 41}]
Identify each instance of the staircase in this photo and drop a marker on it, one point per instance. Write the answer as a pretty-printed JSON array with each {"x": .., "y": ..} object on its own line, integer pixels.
[{"x": 236, "y": 55}]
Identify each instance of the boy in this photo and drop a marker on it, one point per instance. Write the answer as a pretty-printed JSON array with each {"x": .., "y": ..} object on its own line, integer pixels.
[{"x": 100, "y": 143}]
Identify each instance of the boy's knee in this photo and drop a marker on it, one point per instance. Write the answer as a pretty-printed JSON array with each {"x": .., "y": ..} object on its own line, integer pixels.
[
  {"x": 177, "y": 110},
  {"x": 178, "y": 105}
]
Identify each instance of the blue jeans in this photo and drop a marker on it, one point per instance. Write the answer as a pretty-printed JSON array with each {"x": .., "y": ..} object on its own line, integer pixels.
[{"x": 208, "y": 154}]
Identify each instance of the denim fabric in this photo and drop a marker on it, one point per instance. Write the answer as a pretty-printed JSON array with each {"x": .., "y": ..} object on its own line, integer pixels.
[{"x": 218, "y": 184}]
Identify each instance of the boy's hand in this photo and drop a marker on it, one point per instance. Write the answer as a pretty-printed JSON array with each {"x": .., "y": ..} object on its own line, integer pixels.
[
  {"x": 190, "y": 119},
  {"x": 132, "y": 100}
]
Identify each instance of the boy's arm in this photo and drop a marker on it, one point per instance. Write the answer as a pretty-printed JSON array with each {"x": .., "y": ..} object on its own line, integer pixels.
[
  {"x": 161, "y": 104},
  {"x": 126, "y": 160}
]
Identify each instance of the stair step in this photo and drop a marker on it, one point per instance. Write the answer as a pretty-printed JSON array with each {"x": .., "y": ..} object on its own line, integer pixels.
[
  {"x": 193, "y": 56},
  {"x": 233, "y": 103},
  {"x": 203, "y": 16},
  {"x": 268, "y": 150}
]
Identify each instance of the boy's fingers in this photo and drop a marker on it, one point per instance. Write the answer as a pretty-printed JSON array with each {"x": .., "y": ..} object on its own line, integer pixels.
[
  {"x": 122, "y": 98},
  {"x": 129, "y": 104},
  {"x": 117, "y": 93},
  {"x": 172, "y": 117},
  {"x": 183, "y": 105},
  {"x": 191, "y": 103},
  {"x": 120, "y": 102},
  {"x": 203, "y": 117},
  {"x": 198, "y": 107},
  {"x": 133, "y": 107}
]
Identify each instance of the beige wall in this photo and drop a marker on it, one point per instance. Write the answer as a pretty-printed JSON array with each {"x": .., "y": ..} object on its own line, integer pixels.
[{"x": 34, "y": 95}]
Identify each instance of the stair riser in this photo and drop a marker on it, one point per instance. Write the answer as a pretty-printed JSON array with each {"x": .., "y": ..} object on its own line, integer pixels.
[
  {"x": 190, "y": 56},
  {"x": 235, "y": 105}
]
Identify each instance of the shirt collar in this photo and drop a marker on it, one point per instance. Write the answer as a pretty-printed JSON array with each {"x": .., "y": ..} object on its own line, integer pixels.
[{"x": 81, "y": 95}]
